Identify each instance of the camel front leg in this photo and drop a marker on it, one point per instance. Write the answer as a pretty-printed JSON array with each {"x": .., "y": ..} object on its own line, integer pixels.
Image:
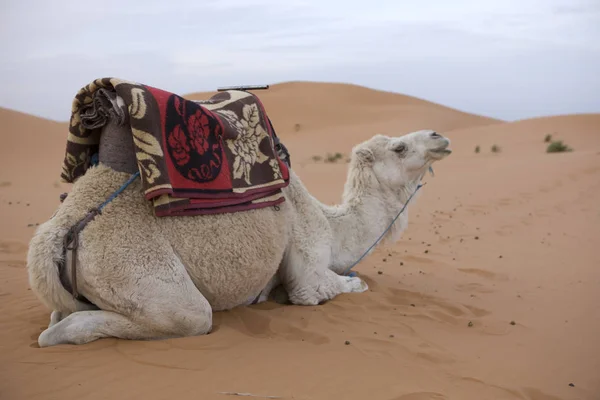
[
  {"x": 56, "y": 317},
  {"x": 309, "y": 281}
]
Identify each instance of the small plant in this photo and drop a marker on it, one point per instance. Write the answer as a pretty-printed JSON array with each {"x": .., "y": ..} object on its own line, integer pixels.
[
  {"x": 333, "y": 157},
  {"x": 477, "y": 149},
  {"x": 548, "y": 138},
  {"x": 557, "y": 147},
  {"x": 495, "y": 149},
  {"x": 297, "y": 127},
  {"x": 317, "y": 158}
]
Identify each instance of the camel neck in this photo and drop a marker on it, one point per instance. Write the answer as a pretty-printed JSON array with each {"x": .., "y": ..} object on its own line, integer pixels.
[{"x": 363, "y": 216}]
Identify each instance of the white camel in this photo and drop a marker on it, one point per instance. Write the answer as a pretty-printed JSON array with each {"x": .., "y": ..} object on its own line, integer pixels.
[{"x": 162, "y": 277}]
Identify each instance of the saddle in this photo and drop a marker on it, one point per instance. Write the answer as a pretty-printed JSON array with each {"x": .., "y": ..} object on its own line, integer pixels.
[{"x": 194, "y": 157}]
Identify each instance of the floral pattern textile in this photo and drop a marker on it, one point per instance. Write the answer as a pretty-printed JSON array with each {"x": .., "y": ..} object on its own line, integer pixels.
[{"x": 194, "y": 157}]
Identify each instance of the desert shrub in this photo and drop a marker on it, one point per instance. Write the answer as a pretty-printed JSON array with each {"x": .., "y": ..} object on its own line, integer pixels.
[
  {"x": 296, "y": 127},
  {"x": 548, "y": 138},
  {"x": 477, "y": 149},
  {"x": 333, "y": 157},
  {"x": 495, "y": 149},
  {"x": 317, "y": 158},
  {"x": 557, "y": 147}
]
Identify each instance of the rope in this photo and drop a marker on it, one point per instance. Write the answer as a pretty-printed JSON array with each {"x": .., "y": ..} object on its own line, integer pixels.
[
  {"x": 346, "y": 272},
  {"x": 119, "y": 191}
]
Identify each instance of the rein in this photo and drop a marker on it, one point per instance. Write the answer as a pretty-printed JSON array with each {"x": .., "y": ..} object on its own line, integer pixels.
[
  {"x": 71, "y": 240},
  {"x": 419, "y": 186}
]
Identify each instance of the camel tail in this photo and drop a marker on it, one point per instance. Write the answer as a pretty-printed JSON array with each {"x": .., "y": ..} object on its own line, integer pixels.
[{"x": 43, "y": 258}]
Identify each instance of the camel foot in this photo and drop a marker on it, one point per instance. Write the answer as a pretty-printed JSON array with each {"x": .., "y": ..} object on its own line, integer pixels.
[
  {"x": 354, "y": 285},
  {"x": 323, "y": 286}
]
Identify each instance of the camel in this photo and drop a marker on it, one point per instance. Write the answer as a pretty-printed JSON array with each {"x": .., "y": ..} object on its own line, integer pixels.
[{"x": 151, "y": 278}]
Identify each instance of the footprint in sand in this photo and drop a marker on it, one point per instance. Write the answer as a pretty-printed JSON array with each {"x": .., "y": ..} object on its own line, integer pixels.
[
  {"x": 429, "y": 307},
  {"x": 421, "y": 396},
  {"x": 535, "y": 394},
  {"x": 15, "y": 263},
  {"x": 417, "y": 259},
  {"x": 13, "y": 248},
  {"x": 482, "y": 273},
  {"x": 255, "y": 324},
  {"x": 473, "y": 288}
]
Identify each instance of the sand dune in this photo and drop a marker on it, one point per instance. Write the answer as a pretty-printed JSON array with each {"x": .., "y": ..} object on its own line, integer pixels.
[
  {"x": 30, "y": 165},
  {"x": 309, "y": 111},
  {"x": 495, "y": 238}
]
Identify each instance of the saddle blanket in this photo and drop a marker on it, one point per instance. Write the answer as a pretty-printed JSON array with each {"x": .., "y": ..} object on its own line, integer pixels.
[{"x": 194, "y": 157}]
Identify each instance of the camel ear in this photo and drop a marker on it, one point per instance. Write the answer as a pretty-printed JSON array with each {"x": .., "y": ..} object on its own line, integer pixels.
[{"x": 365, "y": 155}]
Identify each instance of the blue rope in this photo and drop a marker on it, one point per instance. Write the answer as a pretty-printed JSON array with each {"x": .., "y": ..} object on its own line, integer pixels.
[
  {"x": 119, "y": 191},
  {"x": 94, "y": 160},
  {"x": 346, "y": 272}
]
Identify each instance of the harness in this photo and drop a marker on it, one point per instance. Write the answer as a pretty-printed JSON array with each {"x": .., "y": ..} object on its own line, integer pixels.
[{"x": 71, "y": 241}]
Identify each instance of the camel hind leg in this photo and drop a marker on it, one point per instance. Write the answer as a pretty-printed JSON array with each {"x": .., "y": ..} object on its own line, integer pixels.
[{"x": 165, "y": 310}]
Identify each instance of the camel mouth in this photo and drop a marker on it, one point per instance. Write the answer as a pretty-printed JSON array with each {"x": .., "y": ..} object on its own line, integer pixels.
[{"x": 441, "y": 152}]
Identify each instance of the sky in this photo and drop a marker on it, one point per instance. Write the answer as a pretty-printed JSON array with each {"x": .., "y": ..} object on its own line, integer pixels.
[{"x": 509, "y": 59}]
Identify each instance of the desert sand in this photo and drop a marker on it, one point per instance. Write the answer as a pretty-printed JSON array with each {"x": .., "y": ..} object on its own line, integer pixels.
[{"x": 492, "y": 292}]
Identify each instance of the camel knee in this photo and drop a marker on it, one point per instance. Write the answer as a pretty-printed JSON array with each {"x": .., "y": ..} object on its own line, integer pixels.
[
  {"x": 194, "y": 328},
  {"x": 188, "y": 323}
]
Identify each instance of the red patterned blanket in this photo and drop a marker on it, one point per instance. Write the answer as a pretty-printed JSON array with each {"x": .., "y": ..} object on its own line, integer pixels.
[{"x": 194, "y": 157}]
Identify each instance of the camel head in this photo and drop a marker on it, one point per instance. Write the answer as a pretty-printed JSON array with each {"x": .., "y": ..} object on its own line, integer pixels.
[{"x": 399, "y": 161}]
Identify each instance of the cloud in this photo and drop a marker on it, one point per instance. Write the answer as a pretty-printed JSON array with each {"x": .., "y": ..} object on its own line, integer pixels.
[{"x": 509, "y": 58}]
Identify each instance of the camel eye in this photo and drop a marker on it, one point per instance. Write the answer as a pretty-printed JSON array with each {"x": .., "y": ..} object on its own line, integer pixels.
[{"x": 400, "y": 148}]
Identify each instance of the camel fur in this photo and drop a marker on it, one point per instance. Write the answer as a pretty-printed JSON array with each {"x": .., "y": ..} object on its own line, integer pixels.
[{"x": 155, "y": 278}]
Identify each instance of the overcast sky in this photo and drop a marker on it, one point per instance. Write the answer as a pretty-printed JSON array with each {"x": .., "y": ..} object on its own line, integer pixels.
[{"x": 509, "y": 59}]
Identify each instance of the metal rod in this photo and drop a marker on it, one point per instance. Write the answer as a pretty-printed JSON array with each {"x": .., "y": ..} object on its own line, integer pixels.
[{"x": 246, "y": 87}]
